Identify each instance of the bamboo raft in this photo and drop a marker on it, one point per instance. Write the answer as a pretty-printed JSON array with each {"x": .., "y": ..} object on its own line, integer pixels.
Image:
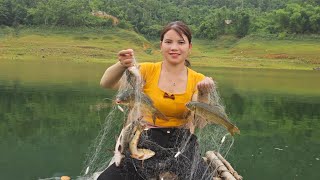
[{"x": 221, "y": 167}]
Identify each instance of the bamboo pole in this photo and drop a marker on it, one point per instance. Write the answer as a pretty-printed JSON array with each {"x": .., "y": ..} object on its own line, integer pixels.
[
  {"x": 205, "y": 159},
  {"x": 219, "y": 166},
  {"x": 228, "y": 165}
]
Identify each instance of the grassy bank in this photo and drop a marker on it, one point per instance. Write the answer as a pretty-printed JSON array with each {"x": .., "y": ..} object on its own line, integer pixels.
[{"x": 102, "y": 45}]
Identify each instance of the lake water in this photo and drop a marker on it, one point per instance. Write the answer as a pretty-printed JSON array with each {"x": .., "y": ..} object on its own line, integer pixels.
[{"x": 50, "y": 113}]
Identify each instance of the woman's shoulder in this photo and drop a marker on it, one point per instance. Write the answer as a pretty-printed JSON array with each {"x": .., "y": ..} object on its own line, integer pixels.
[
  {"x": 194, "y": 79},
  {"x": 149, "y": 66},
  {"x": 196, "y": 75},
  {"x": 149, "y": 69}
]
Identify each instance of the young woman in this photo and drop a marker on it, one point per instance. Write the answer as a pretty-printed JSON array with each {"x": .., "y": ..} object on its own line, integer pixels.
[{"x": 170, "y": 84}]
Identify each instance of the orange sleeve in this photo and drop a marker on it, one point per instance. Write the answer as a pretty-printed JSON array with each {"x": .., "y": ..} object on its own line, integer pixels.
[
  {"x": 146, "y": 71},
  {"x": 198, "y": 77}
]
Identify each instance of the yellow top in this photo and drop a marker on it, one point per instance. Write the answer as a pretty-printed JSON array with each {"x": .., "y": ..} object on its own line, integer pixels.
[{"x": 174, "y": 109}]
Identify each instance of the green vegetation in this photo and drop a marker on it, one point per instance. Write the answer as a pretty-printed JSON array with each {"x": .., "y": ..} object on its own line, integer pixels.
[
  {"x": 208, "y": 18},
  {"x": 101, "y": 45},
  {"x": 281, "y": 34}
]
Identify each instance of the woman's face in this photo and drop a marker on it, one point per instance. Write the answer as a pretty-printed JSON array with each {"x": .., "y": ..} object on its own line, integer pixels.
[{"x": 175, "y": 49}]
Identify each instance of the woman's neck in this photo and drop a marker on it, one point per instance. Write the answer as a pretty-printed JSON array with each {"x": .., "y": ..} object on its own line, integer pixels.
[{"x": 173, "y": 68}]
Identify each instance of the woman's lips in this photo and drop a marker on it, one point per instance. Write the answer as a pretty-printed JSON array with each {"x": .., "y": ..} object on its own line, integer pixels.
[{"x": 174, "y": 55}]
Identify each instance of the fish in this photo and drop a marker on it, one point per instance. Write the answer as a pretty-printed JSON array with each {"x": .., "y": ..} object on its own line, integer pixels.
[
  {"x": 122, "y": 143},
  {"x": 212, "y": 114},
  {"x": 129, "y": 139},
  {"x": 140, "y": 154},
  {"x": 127, "y": 97}
]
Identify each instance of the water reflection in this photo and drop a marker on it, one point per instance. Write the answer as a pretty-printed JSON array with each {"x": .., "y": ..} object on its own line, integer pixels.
[
  {"x": 279, "y": 137},
  {"x": 46, "y": 130}
]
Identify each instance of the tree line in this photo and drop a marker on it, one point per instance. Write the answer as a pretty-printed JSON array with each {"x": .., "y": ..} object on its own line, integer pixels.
[{"x": 207, "y": 18}]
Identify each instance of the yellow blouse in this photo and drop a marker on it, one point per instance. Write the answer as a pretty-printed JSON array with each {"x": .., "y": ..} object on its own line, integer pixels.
[{"x": 174, "y": 109}]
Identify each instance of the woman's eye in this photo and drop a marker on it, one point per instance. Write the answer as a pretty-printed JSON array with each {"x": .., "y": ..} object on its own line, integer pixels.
[{"x": 181, "y": 42}]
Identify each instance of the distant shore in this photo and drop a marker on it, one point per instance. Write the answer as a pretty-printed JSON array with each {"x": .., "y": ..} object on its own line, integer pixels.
[{"x": 102, "y": 45}]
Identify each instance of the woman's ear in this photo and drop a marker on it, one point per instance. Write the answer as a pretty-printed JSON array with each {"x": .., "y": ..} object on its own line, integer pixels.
[{"x": 190, "y": 47}]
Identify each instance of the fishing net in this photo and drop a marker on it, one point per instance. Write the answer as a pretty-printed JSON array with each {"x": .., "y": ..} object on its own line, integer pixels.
[{"x": 178, "y": 153}]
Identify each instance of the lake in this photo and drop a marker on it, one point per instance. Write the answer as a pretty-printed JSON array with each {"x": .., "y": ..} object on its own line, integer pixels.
[{"x": 51, "y": 112}]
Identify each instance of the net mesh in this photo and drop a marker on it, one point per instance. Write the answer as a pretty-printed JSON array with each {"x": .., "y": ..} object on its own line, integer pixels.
[{"x": 178, "y": 157}]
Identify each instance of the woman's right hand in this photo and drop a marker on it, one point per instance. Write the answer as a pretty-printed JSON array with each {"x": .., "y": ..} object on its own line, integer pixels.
[{"x": 126, "y": 58}]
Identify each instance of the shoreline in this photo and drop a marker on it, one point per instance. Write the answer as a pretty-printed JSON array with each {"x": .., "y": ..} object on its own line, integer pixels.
[
  {"x": 196, "y": 64},
  {"x": 102, "y": 45}
]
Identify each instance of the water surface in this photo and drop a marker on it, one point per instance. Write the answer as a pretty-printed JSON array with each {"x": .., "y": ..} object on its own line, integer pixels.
[{"x": 50, "y": 113}]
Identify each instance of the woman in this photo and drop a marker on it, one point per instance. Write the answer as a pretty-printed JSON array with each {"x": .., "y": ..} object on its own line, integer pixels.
[{"x": 170, "y": 84}]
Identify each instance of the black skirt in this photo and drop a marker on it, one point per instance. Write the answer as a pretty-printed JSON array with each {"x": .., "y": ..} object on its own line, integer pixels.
[{"x": 176, "y": 154}]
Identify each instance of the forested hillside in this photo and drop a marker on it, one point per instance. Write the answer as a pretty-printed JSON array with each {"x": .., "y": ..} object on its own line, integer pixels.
[{"x": 207, "y": 18}]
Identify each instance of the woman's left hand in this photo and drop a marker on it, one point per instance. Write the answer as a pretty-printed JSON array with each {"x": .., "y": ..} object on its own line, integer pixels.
[{"x": 206, "y": 86}]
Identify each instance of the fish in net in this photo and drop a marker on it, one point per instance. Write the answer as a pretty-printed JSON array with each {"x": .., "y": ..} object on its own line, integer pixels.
[{"x": 178, "y": 153}]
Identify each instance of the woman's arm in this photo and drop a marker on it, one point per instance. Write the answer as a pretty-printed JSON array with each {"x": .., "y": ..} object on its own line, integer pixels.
[{"x": 113, "y": 74}]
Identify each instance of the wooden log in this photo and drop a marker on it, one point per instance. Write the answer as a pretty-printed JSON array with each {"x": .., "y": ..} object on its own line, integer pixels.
[
  {"x": 205, "y": 159},
  {"x": 228, "y": 165},
  {"x": 220, "y": 167}
]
